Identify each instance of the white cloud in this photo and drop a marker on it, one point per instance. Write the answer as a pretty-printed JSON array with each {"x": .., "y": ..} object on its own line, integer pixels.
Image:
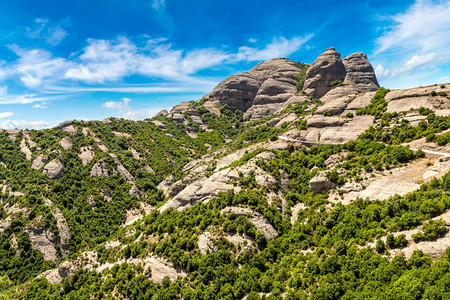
[
  {"x": 125, "y": 111},
  {"x": 105, "y": 65},
  {"x": 5, "y": 114},
  {"x": 23, "y": 124},
  {"x": 36, "y": 65},
  {"x": 280, "y": 47},
  {"x": 416, "y": 42},
  {"x": 418, "y": 61},
  {"x": 42, "y": 105},
  {"x": 52, "y": 34},
  {"x": 425, "y": 26}
]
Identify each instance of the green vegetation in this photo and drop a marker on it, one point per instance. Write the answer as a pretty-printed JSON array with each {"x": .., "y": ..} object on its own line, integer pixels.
[
  {"x": 301, "y": 75},
  {"x": 336, "y": 83},
  {"x": 431, "y": 230},
  {"x": 378, "y": 105}
]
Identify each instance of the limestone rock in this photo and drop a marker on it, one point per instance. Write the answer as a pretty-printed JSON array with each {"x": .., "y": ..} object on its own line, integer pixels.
[
  {"x": 159, "y": 124},
  {"x": 255, "y": 218},
  {"x": 268, "y": 83},
  {"x": 39, "y": 161},
  {"x": 327, "y": 68},
  {"x": 320, "y": 183},
  {"x": 54, "y": 169},
  {"x": 86, "y": 155},
  {"x": 99, "y": 169},
  {"x": 41, "y": 241},
  {"x": 162, "y": 113},
  {"x": 66, "y": 143},
  {"x": 360, "y": 72},
  {"x": 205, "y": 243}
]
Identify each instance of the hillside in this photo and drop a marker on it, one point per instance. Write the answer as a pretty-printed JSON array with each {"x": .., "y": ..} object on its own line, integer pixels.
[{"x": 291, "y": 181}]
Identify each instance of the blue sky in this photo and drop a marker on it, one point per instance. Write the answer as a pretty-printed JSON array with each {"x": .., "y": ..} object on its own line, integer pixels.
[{"x": 65, "y": 60}]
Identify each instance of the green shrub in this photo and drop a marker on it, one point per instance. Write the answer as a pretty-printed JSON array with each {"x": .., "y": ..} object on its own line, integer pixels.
[
  {"x": 350, "y": 115},
  {"x": 431, "y": 231},
  {"x": 433, "y": 94},
  {"x": 336, "y": 83},
  {"x": 327, "y": 113}
]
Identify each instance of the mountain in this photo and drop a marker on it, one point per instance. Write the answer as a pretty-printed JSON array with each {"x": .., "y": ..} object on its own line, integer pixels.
[{"x": 291, "y": 180}]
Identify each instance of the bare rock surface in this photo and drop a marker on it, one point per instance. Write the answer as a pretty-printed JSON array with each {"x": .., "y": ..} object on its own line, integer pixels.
[
  {"x": 39, "y": 161},
  {"x": 24, "y": 148},
  {"x": 86, "y": 155},
  {"x": 360, "y": 72},
  {"x": 327, "y": 68},
  {"x": 63, "y": 227},
  {"x": 255, "y": 218},
  {"x": 198, "y": 187},
  {"x": 205, "y": 243},
  {"x": 99, "y": 169},
  {"x": 66, "y": 143},
  {"x": 320, "y": 183},
  {"x": 399, "y": 181},
  {"x": 41, "y": 241},
  {"x": 295, "y": 210},
  {"x": 54, "y": 169},
  {"x": 162, "y": 113},
  {"x": 268, "y": 83}
]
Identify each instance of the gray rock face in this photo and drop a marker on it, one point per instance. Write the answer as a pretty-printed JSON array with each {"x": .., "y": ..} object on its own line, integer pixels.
[
  {"x": 267, "y": 83},
  {"x": 54, "y": 169},
  {"x": 320, "y": 183},
  {"x": 162, "y": 113},
  {"x": 355, "y": 71},
  {"x": 39, "y": 161},
  {"x": 327, "y": 68},
  {"x": 99, "y": 169},
  {"x": 360, "y": 72}
]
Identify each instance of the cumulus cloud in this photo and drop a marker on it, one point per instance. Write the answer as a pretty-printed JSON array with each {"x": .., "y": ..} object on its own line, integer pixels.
[
  {"x": 125, "y": 111},
  {"x": 23, "y": 124},
  {"x": 158, "y": 5}
]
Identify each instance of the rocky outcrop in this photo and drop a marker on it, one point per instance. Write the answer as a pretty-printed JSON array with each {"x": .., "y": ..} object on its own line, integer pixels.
[
  {"x": 99, "y": 169},
  {"x": 354, "y": 71},
  {"x": 327, "y": 68},
  {"x": 255, "y": 218},
  {"x": 266, "y": 85},
  {"x": 162, "y": 113},
  {"x": 205, "y": 243},
  {"x": 86, "y": 155},
  {"x": 360, "y": 72},
  {"x": 41, "y": 240},
  {"x": 66, "y": 143},
  {"x": 54, "y": 169},
  {"x": 39, "y": 161},
  {"x": 320, "y": 183}
]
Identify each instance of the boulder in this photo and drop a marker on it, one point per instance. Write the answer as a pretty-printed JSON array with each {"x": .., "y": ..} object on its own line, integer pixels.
[
  {"x": 54, "y": 169},
  {"x": 66, "y": 143},
  {"x": 320, "y": 183},
  {"x": 327, "y": 68}
]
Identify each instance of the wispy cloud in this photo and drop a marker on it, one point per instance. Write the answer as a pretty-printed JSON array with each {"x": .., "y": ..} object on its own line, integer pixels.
[
  {"x": 280, "y": 47},
  {"x": 106, "y": 65},
  {"x": 42, "y": 29},
  {"x": 5, "y": 114},
  {"x": 23, "y": 124},
  {"x": 125, "y": 111},
  {"x": 417, "y": 39}
]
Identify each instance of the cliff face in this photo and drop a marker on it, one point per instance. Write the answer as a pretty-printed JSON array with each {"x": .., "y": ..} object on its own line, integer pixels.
[{"x": 270, "y": 86}]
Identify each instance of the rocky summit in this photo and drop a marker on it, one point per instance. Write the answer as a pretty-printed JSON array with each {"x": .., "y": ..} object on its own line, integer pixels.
[{"x": 289, "y": 181}]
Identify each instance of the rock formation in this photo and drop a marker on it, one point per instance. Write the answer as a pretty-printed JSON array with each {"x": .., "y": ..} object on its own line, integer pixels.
[
  {"x": 354, "y": 70},
  {"x": 54, "y": 169}
]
